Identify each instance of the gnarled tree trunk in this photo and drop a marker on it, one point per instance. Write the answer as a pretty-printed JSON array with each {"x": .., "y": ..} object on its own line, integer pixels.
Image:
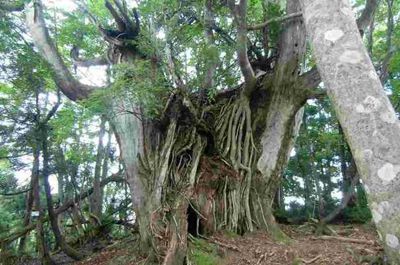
[{"x": 219, "y": 162}]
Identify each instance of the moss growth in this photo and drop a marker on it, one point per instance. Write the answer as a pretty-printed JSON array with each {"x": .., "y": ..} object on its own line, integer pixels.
[
  {"x": 297, "y": 261},
  {"x": 278, "y": 235},
  {"x": 230, "y": 234},
  {"x": 203, "y": 253}
]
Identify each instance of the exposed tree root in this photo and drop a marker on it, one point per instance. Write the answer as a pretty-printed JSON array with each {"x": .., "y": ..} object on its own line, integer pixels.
[
  {"x": 311, "y": 260},
  {"x": 346, "y": 239}
]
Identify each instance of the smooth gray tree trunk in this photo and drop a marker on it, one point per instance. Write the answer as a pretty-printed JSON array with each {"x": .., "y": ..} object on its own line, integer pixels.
[
  {"x": 364, "y": 111},
  {"x": 96, "y": 200}
]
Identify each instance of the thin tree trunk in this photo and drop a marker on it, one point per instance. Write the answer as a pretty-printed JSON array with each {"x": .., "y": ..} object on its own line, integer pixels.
[
  {"x": 345, "y": 200},
  {"x": 40, "y": 238},
  {"x": 71, "y": 203},
  {"x": 62, "y": 172},
  {"x": 60, "y": 240},
  {"x": 96, "y": 199},
  {"x": 28, "y": 211},
  {"x": 364, "y": 111}
]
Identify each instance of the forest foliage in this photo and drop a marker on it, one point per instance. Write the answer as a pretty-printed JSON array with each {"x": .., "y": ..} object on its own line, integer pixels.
[{"x": 82, "y": 144}]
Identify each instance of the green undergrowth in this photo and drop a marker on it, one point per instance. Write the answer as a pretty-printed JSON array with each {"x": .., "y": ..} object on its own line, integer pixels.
[
  {"x": 230, "y": 234},
  {"x": 202, "y": 252}
]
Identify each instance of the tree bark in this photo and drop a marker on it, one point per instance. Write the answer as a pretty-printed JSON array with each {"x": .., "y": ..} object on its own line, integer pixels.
[
  {"x": 60, "y": 240},
  {"x": 161, "y": 164},
  {"x": 364, "y": 111},
  {"x": 29, "y": 199},
  {"x": 282, "y": 113},
  {"x": 96, "y": 200},
  {"x": 40, "y": 237}
]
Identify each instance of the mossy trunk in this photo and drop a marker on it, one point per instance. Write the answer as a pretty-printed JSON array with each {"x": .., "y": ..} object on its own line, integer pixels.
[
  {"x": 219, "y": 161},
  {"x": 203, "y": 167},
  {"x": 198, "y": 171}
]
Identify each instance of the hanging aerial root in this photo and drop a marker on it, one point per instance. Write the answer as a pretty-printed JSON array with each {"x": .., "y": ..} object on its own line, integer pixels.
[{"x": 236, "y": 144}]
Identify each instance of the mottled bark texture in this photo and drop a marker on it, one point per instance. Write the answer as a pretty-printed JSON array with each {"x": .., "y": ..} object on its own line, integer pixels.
[{"x": 364, "y": 111}]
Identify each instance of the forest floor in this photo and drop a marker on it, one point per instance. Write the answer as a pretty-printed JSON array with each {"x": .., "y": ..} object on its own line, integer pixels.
[{"x": 356, "y": 244}]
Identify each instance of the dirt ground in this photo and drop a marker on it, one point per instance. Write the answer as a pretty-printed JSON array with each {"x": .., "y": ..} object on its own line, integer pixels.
[
  {"x": 306, "y": 248},
  {"x": 352, "y": 246}
]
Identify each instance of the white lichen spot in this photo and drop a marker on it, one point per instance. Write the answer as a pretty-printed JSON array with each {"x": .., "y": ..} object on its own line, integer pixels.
[
  {"x": 384, "y": 207},
  {"x": 352, "y": 57},
  {"x": 333, "y": 35},
  {"x": 388, "y": 172},
  {"x": 371, "y": 103},
  {"x": 367, "y": 153},
  {"x": 360, "y": 109},
  {"x": 392, "y": 241},
  {"x": 388, "y": 117},
  {"x": 376, "y": 216}
]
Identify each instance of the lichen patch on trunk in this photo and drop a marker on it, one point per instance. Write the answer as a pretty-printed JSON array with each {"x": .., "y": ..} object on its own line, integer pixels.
[
  {"x": 392, "y": 241},
  {"x": 351, "y": 57},
  {"x": 333, "y": 35},
  {"x": 388, "y": 172}
]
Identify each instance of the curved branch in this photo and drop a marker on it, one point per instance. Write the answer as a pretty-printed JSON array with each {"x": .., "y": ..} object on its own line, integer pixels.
[
  {"x": 278, "y": 19},
  {"x": 346, "y": 199},
  {"x": 11, "y": 7},
  {"x": 79, "y": 61},
  {"x": 23, "y": 231},
  {"x": 16, "y": 192},
  {"x": 72, "y": 88}
]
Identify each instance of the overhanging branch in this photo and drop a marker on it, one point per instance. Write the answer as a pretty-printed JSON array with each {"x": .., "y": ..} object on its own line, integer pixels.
[
  {"x": 73, "y": 89},
  {"x": 278, "y": 19},
  {"x": 16, "y": 192}
]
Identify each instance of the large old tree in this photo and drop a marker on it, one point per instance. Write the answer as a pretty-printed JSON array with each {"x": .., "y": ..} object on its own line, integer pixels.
[{"x": 194, "y": 140}]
